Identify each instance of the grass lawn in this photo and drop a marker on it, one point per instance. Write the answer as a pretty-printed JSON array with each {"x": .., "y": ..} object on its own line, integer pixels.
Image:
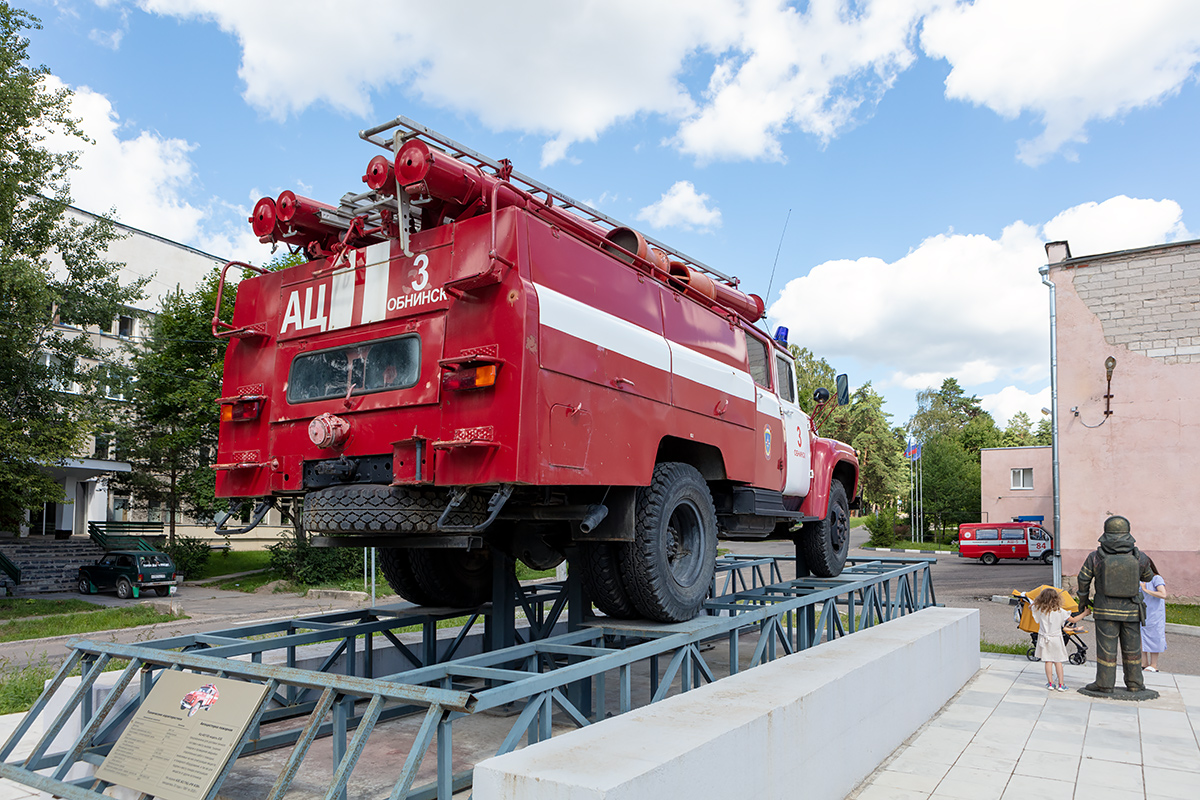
[
  {"x": 233, "y": 561},
  {"x": 1010, "y": 649},
  {"x": 106, "y": 619},
  {"x": 1183, "y": 614},
  {"x": 16, "y": 607}
]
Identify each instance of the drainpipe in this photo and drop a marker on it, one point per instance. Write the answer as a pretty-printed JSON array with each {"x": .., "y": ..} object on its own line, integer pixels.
[{"x": 1055, "y": 252}]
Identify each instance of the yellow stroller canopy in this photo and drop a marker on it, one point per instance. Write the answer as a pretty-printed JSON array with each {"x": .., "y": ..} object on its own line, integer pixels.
[{"x": 1026, "y": 622}]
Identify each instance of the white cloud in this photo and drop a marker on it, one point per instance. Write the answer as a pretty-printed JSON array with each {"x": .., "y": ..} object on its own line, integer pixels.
[
  {"x": 1119, "y": 223},
  {"x": 967, "y": 306},
  {"x": 816, "y": 70},
  {"x": 1004, "y": 404},
  {"x": 681, "y": 207},
  {"x": 1069, "y": 62}
]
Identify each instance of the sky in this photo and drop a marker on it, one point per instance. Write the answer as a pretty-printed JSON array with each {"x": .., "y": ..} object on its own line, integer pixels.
[{"x": 884, "y": 174}]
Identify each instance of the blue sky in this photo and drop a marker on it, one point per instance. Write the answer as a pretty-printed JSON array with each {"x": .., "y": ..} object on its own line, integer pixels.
[{"x": 926, "y": 149}]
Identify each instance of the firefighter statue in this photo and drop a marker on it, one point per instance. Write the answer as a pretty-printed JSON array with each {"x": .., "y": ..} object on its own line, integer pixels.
[{"x": 1114, "y": 571}]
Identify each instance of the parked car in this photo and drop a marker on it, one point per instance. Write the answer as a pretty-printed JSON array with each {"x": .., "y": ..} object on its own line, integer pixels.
[
  {"x": 992, "y": 541},
  {"x": 129, "y": 572}
]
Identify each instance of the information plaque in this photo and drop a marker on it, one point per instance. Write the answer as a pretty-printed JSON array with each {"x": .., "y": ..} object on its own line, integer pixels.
[{"x": 182, "y": 735}]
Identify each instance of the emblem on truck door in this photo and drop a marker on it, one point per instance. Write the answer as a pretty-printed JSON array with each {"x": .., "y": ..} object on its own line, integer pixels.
[{"x": 767, "y": 441}]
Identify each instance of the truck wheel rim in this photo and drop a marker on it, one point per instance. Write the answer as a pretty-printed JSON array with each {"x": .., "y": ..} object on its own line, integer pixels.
[{"x": 685, "y": 544}]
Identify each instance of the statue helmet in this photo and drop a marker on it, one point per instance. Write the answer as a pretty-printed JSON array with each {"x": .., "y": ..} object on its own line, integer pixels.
[{"x": 1116, "y": 525}]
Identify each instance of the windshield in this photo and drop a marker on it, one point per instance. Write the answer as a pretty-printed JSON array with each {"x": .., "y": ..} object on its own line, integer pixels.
[{"x": 358, "y": 369}]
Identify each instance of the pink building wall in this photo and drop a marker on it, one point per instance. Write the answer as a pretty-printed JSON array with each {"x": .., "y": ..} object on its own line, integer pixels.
[
  {"x": 998, "y": 501},
  {"x": 1141, "y": 307}
]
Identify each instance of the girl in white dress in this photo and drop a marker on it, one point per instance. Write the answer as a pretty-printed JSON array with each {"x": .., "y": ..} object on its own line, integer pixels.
[{"x": 1049, "y": 614}]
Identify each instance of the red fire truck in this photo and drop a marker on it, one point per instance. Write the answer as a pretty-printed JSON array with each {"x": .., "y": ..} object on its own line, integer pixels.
[{"x": 469, "y": 363}]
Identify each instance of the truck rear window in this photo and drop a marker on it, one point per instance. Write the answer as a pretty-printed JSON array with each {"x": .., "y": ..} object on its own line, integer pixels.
[{"x": 360, "y": 368}]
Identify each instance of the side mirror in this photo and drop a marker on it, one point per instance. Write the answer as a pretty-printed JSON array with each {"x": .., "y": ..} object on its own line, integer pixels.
[
  {"x": 843, "y": 389},
  {"x": 821, "y": 396}
]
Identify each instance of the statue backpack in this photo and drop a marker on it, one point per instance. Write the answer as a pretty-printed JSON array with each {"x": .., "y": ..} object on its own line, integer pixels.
[{"x": 1121, "y": 574}]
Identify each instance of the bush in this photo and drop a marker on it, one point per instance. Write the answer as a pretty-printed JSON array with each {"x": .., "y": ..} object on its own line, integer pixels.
[
  {"x": 882, "y": 527},
  {"x": 190, "y": 555},
  {"x": 313, "y": 566}
]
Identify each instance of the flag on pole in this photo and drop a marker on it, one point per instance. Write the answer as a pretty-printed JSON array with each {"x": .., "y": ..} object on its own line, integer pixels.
[{"x": 914, "y": 451}]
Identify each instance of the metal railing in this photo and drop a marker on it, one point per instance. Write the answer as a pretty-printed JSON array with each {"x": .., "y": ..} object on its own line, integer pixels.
[
  {"x": 124, "y": 535},
  {"x": 418, "y": 675},
  {"x": 10, "y": 569}
]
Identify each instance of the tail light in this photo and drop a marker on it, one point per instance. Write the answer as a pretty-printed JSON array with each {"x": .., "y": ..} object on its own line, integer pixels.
[
  {"x": 465, "y": 378},
  {"x": 141, "y": 577},
  {"x": 240, "y": 409}
]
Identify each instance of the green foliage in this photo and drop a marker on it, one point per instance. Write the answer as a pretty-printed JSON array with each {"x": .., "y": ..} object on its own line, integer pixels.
[
  {"x": 1183, "y": 614},
  {"x": 1017, "y": 433},
  {"x": 951, "y": 483},
  {"x": 881, "y": 460},
  {"x": 882, "y": 527},
  {"x": 42, "y": 422},
  {"x": 234, "y": 561},
  {"x": 1043, "y": 432},
  {"x": 314, "y": 566},
  {"x": 21, "y": 686},
  {"x": 979, "y": 433},
  {"x": 171, "y": 435},
  {"x": 943, "y": 412},
  {"x": 812, "y": 373},
  {"x": 190, "y": 555}
]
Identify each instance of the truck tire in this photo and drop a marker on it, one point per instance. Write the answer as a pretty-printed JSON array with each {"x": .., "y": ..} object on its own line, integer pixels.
[
  {"x": 396, "y": 563},
  {"x": 376, "y": 508},
  {"x": 668, "y": 568},
  {"x": 600, "y": 571},
  {"x": 453, "y": 578},
  {"x": 826, "y": 543}
]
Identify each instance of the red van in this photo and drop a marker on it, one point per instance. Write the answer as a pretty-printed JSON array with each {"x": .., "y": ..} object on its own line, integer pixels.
[{"x": 992, "y": 541}]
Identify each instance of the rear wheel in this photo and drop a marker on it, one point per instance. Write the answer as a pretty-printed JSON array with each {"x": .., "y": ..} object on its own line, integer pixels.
[
  {"x": 396, "y": 563},
  {"x": 827, "y": 543},
  {"x": 599, "y": 569},
  {"x": 668, "y": 568},
  {"x": 162, "y": 591},
  {"x": 1077, "y": 659},
  {"x": 454, "y": 578},
  {"x": 1031, "y": 654},
  {"x": 988, "y": 558},
  {"x": 124, "y": 589}
]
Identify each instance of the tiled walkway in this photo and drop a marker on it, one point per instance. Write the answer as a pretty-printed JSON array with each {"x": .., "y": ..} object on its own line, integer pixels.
[{"x": 1005, "y": 737}]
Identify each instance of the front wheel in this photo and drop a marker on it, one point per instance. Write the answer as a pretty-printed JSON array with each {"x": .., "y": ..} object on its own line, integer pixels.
[
  {"x": 85, "y": 586},
  {"x": 1031, "y": 654},
  {"x": 124, "y": 589},
  {"x": 1077, "y": 659},
  {"x": 827, "y": 543},
  {"x": 669, "y": 566},
  {"x": 1047, "y": 557},
  {"x": 988, "y": 558}
]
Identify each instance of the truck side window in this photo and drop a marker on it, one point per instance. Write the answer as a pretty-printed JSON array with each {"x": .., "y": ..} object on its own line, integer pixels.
[
  {"x": 787, "y": 381},
  {"x": 760, "y": 367},
  {"x": 987, "y": 534},
  {"x": 1012, "y": 533}
]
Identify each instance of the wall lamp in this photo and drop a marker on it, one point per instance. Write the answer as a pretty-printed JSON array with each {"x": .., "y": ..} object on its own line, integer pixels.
[{"x": 1110, "y": 364}]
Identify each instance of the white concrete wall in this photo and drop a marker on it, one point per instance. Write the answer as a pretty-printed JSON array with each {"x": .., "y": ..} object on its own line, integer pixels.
[{"x": 810, "y": 725}]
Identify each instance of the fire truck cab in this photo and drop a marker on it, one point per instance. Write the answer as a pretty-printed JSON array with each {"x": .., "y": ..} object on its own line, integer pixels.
[{"x": 468, "y": 362}]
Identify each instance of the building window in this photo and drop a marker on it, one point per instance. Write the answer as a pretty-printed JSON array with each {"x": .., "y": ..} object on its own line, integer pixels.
[
  {"x": 124, "y": 327},
  {"x": 1022, "y": 478}
]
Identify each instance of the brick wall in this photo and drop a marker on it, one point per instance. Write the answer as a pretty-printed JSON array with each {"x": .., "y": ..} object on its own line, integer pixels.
[{"x": 1149, "y": 303}]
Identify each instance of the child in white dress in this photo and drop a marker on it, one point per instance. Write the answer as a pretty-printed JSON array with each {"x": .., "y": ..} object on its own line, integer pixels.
[{"x": 1049, "y": 614}]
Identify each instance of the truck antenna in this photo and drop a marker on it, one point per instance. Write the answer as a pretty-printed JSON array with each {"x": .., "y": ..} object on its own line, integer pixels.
[{"x": 777, "y": 251}]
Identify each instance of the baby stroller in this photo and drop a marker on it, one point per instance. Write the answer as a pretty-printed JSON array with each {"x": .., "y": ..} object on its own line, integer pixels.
[{"x": 1023, "y": 615}]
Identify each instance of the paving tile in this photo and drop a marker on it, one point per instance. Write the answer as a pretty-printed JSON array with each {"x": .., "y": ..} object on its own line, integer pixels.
[
  {"x": 1028, "y": 787},
  {"x": 1112, "y": 774},
  {"x": 987, "y": 761},
  {"x": 1112, "y": 754},
  {"x": 917, "y": 764},
  {"x": 1055, "y": 765},
  {"x": 1171, "y": 784},
  {"x": 1106, "y": 793},
  {"x": 933, "y": 754},
  {"x": 1172, "y": 756},
  {"x": 972, "y": 784},
  {"x": 876, "y": 792},
  {"x": 15, "y": 791},
  {"x": 1053, "y": 743},
  {"x": 905, "y": 780}
]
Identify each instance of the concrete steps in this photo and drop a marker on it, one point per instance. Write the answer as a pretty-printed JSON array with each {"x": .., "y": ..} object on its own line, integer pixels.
[{"x": 47, "y": 565}]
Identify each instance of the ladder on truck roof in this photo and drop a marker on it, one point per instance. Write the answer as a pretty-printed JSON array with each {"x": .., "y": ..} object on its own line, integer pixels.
[{"x": 406, "y": 129}]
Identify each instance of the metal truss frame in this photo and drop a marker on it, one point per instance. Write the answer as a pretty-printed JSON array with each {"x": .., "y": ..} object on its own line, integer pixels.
[{"x": 535, "y": 669}]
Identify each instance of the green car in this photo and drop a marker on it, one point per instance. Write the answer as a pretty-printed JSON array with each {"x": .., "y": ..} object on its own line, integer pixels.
[{"x": 129, "y": 572}]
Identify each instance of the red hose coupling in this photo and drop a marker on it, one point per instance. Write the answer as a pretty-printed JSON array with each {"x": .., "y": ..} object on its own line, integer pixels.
[{"x": 328, "y": 431}]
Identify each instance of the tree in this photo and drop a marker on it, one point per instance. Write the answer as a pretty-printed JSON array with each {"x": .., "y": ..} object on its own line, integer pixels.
[
  {"x": 944, "y": 411},
  {"x": 880, "y": 456},
  {"x": 1017, "y": 433},
  {"x": 812, "y": 373},
  {"x": 52, "y": 269},
  {"x": 951, "y": 482},
  {"x": 979, "y": 433},
  {"x": 1043, "y": 433},
  {"x": 170, "y": 434}
]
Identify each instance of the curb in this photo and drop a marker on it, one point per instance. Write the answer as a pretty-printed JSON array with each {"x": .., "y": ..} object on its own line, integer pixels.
[{"x": 900, "y": 550}]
